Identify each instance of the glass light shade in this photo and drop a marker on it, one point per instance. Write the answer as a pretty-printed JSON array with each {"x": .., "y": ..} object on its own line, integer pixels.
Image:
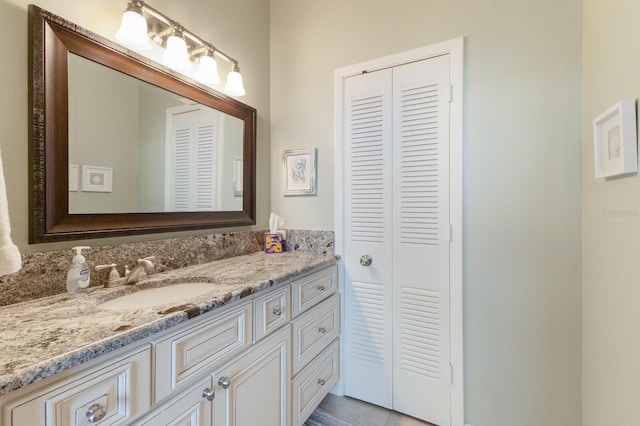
[
  {"x": 133, "y": 31},
  {"x": 176, "y": 55},
  {"x": 207, "y": 71},
  {"x": 234, "y": 85}
]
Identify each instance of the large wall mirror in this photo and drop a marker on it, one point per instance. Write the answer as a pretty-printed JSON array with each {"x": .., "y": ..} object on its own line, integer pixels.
[{"x": 121, "y": 145}]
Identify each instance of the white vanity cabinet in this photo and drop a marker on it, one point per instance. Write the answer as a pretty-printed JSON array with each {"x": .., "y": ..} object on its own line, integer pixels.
[
  {"x": 277, "y": 381},
  {"x": 264, "y": 360}
]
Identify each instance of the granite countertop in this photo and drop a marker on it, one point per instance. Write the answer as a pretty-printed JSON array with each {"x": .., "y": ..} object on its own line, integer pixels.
[{"x": 45, "y": 336}]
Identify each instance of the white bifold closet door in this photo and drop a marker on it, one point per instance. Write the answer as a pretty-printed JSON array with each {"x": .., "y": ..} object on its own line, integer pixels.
[{"x": 396, "y": 188}]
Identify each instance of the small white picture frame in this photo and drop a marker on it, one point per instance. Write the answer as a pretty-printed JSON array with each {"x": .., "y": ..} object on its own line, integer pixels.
[
  {"x": 299, "y": 171},
  {"x": 96, "y": 179},
  {"x": 73, "y": 177},
  {"x": 237, "y": 175},
  {"x": 615, "y": 140}
]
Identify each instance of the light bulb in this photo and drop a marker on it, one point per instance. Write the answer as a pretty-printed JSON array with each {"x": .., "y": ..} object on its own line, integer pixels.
[
  {"x": 234, "y": 85},
  {"x": 133, "y": 31},
  {"x": 176, "y": 55},
  {"x": 207, "y": 71}
]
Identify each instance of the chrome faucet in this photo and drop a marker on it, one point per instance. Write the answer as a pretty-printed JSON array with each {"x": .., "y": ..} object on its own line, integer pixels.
[{"x": 140, "y": 270}]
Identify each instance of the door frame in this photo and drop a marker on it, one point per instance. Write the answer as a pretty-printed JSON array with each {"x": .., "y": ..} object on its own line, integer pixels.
[{"x": 454, "y": 48}]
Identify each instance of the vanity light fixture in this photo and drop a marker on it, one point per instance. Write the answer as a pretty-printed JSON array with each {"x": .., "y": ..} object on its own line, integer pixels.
[
  {"x": 141, "y": 22},
  {"x": 207, "y": 70},
  {"x": 234, "y": 85},
  {"x": 176, "y": 55},
  {"x": 133, "y": 30}
]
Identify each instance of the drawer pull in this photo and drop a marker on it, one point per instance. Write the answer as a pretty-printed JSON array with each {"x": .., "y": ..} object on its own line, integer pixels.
[
  {"x": 321, "y": 287},
  {"x": 322, "y": 382},
  {"x": 224, "y": 382},
  {"x": 208, "y": 393},
  {"x": 95, "y": 413},
  {"x": 277, "y": 311},
  {"x": 322, "y": 330}
]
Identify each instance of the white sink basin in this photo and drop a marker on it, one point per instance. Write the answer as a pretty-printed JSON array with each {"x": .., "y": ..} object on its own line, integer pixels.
[{"x": 157, "y": 296}]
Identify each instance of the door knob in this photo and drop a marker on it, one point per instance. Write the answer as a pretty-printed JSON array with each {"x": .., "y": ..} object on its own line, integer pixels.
[
  {"x": 366, "y": 260},
  {"x": 277, "y": 311}
]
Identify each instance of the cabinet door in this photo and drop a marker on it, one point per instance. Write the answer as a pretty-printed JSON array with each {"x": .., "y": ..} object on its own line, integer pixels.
[
  {"x": 191, "y": 407},
  {"x": 254, "y": 389}
]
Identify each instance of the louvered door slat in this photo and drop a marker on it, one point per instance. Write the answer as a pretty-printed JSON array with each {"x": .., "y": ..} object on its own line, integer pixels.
[
  {"x": 182, "y": 169},
  {"x": 418, "y": 121},
  {"x": 205, "y": 188}
]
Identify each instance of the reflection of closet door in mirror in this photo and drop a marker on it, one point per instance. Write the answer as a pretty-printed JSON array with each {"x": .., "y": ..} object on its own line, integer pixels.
[{"x": 193, "y": 163}]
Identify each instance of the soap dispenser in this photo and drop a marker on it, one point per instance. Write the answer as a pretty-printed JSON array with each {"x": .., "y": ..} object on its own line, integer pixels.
[{"x": 78, "y": 277}]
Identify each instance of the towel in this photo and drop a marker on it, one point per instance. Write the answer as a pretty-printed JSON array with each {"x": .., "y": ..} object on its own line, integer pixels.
[{"x": 10, "y": 259}]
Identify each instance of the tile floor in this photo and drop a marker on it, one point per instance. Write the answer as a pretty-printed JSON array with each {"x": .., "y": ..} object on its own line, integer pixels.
[{"x": 365, "y": 414}]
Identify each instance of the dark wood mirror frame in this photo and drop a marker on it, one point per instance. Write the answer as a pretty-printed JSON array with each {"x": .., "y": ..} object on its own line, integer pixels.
[{"x": 51, "y": 38}]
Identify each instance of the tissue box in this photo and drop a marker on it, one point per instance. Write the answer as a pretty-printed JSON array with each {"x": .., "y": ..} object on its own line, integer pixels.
[{"x": 273, "y": 243}]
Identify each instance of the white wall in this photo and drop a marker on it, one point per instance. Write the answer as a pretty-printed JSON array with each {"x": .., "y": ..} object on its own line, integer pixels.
[
  {"x": 522, "y": 132},
  {"x": 611, "y": 224},
  {"x": 239, "y": 27}
]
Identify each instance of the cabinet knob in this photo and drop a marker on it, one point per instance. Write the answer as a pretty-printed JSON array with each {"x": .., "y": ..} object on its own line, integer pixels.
[
  {"x": 322, "y": 330},
  {"x": 322, "y": 382},
  {"x": 277, "y": 311},
  {"x": 224, "y": 382},
  {"x": 366, "y": 260},
  {"x": 208, "y": 393},
  {"x": 95, "y": 413},
  {"x": 321, "y": 287}
]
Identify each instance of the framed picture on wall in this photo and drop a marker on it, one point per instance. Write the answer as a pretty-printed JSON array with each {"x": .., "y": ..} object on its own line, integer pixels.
[
  {"x": 615, "y": 140},
  {"x": 299, "y": 169},
  {"x": 96, "y": 179}
]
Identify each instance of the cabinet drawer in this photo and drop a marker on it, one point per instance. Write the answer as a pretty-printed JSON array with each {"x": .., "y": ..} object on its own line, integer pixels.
[
  {"x": 313, "y": 383},
  {"x": 314, "y": 330},
  {"x": 198, "y": 348},
  {"x": 271, "y": 311},
  {"x": 112, "y": 395},
  {"x": 313, "y": 289}
]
